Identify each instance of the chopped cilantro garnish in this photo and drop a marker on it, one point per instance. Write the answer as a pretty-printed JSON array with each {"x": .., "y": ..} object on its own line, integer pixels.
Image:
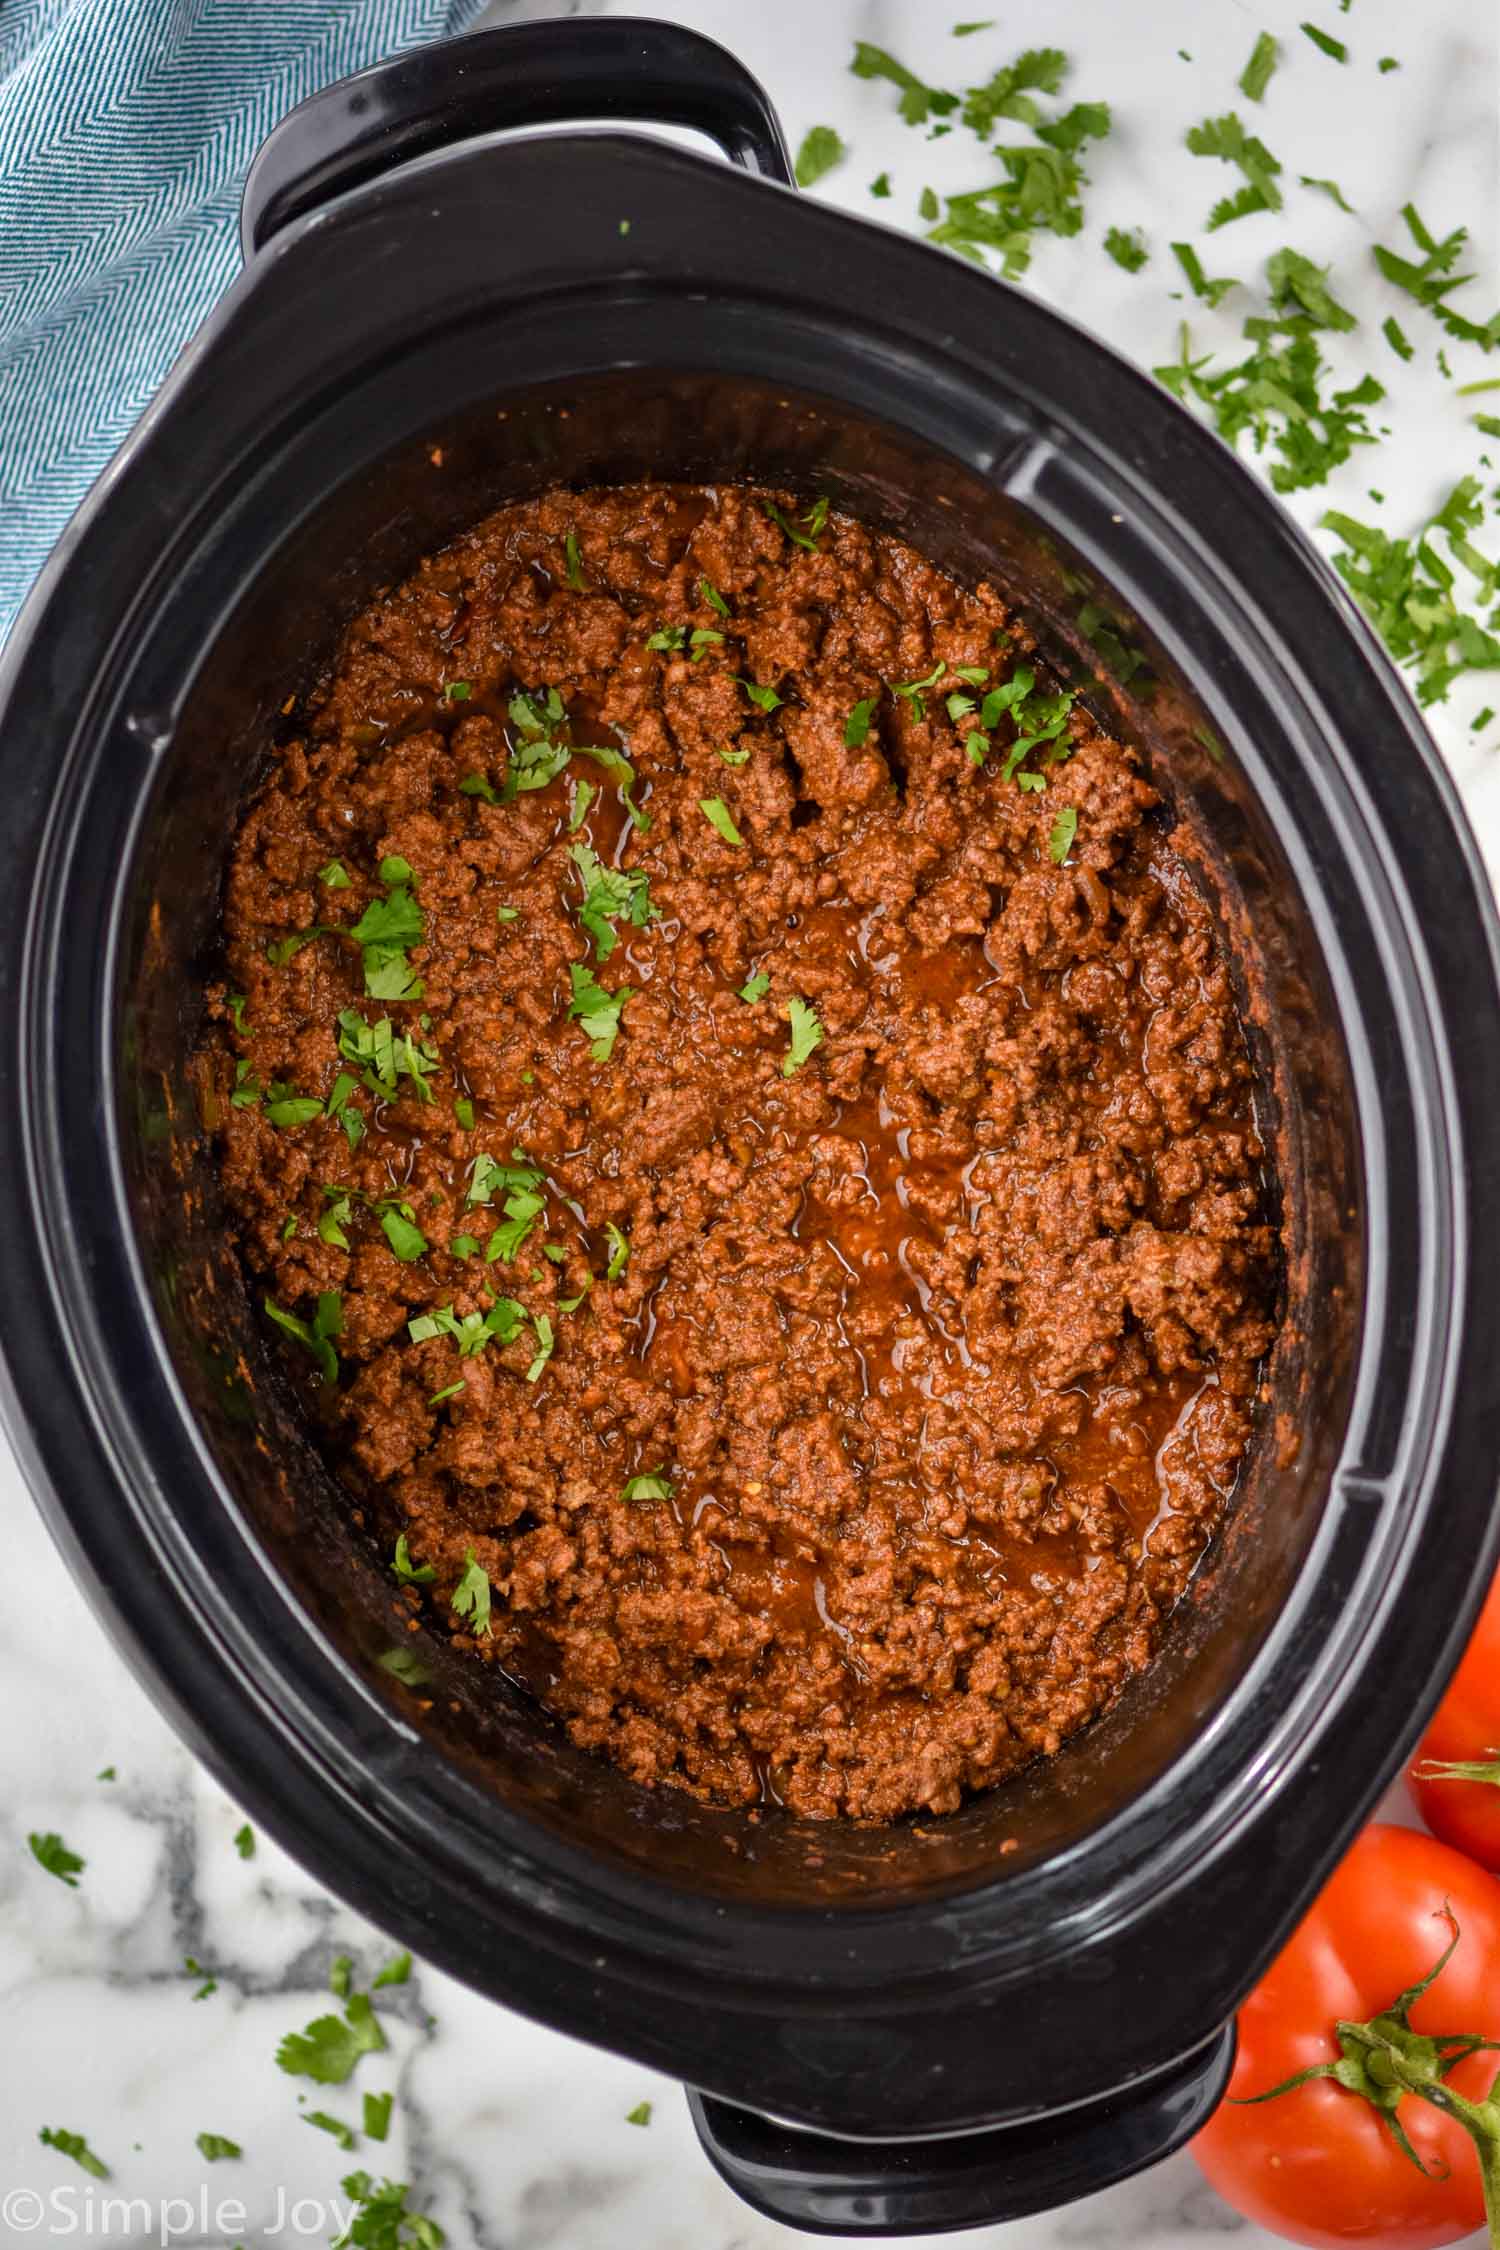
[
  {"x": 385, "y": 930},
  {"x": 857, "y": 725},
  {"x": 821, "y": 149},
  {"x": 105, "y": 1773},
  {"x": 1410, "y": 591},
  {"x": 811, "y": 527},
  {"x": 619, "y": 1251},
  {"x": 340, "y": 1976},
  {"x": 244, "y": 1841},
  {"x": 215, "y": 2147},
  {"x": 719, "y": 817},
  {"x": 1008, "y": 92},
  {"x": 807, "y": 1036},
  {"x": 51, "y": 1852},
  {"x": 764, "y": 698},
  {"x": 335, "y": 876},
  {"x": 1387, "y": 62},
  {"x": 396, "y": 1971},
  {"x": 667, "y": 637},
  {"x": 573, "y": 562},
  {"x": 610, "y": 895},
  {"x": 408, "y": 1572},
  {"x": 507, "y": 913},
  {"x": 440, "y": 1398},
  {"x": 928, "y": 206},
  {"x": 470, "y": 1598},
  {"x": 376, "y": 2113},
  {"x": 584, "y": 794},
  {"x": 458, "y": 691},
  {"x": 1481, "y": 719},
  {"x": 247, "y": 1087},
  {"x": 474, "y": 1331},
  {"x": 314, "y": 1335},
  {"x": 881, "y": 185},
  {"x": 1198, "y": 281},
  {"x": 463, "y": 1110},
  {"x": 479, "y": 785},
  {"x": 545, "y": 1342},
  {"x": 75, "y": 2146},
  {"x": 333, "y": 1221},
  {"x": 1395, "y": 335},
  {"x": 1127, "y": 247},
  {"x": 1064, "y": 829},
  {"x": 1256, "y": 75},
  {"x": 488, "y": 1177},
  {"x": 652, "y": 1486},
  {"x": 960, "y": 31},
  {"x": 756, "y": 987},
  {"x": 735, "y": 757},
  {"x": 288, "y": 1109},
  {"x": 1041, "y": 188},
  {"x": 918, "y": 102},
  {"x": 236, "y": 1003},
  {"x": 330, "y": 2046},
  {"x": 912, "y": 690},
  {"x": 1225, "y": 137},
  {"x": 522, "y": 1210},
  {"x": 1431, "y": 281},
  {"x": 384, "y": 1058},
  {"x": 713, "y": 597},
  {"x": 1326, "y": 41}
]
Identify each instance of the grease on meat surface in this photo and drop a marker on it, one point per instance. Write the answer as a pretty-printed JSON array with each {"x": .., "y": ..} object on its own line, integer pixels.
[{"x": 838, "y": 1423}]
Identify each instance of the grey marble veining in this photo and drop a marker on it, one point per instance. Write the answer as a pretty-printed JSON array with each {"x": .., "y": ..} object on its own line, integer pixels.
[{"x": 517, "y": 2136}]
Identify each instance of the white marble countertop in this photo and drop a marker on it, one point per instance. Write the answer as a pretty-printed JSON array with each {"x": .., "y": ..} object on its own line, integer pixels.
[{"x": 515, "y": 2138}]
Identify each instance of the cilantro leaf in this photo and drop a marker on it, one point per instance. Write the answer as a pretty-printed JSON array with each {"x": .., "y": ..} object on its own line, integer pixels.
[
  {"x": 597, "y": 1011},
  {"x": 330, "y": 2046},
  {"x": 1007, "y": 93},
  {"x": 857, "y": 725},
  {"x": 214, "y": 2147},
  {"x": 573, "y": 564},
  {"x": 470, "y": 1598},
  {"x": 74, "y": 2145},
  {"x": 713, "y": 597},
  {"x": 1432, "y": 280},
  {"x": 718, "y": 816},
  {"x": 314, "y": 1335},
  {"x": 335, "y": 876},
  {"x": 376, "y": 2116},
  {"x": 1410, "y": 591},
  {"x": 1274, "y": 395},
  {"x": 244, "y": 1841},
  {"x": 380, "y": 2219},
  {"x": 1330, "y": 188},
  {"x": 407, "y": 1241},
  {"x": 619, "y": 1251},
  {"x": 821, "y": 150},
  {"x": 610, "y": 895},
  {"x": 812, "y": 525},
  {"x": 755, "y": 988},
  {"x": 1256, "y": 75},
  {"x": 1127, "y": 248},
  {"x": 1064, "y": 829},
  {"x": 1326, "y": 41},
  {"x": 918, "y": 102},
  {"x": 1225, "y": 137},
  {"x": 408, "y": 1572},
  {"x": 1198, "y": 281},
  {"x": 488, "y": 1177},
  {"x": 764, "y": 698},
  {"x": 384, "y": 1057},
  {"x": 387, "y": 927},
  {"x": 1296, "y": 283},
  {"x": 807, "y": 1035},
  {"x": 641, "y": 2114},
  {"x": 396, "y": 1971},
  {"x": 292, "y": 1109},
  {"x": 51, "y": 1852},
  {"x": 652, "y": 1486},
  {"x": 342, "y": 2133},
  {"x": 911, "y": 691}
]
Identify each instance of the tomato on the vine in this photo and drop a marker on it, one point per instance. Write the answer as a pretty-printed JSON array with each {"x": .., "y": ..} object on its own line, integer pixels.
[
  {"x": 1456, "y": 1774},
  {"x": 1323, "y": 2162}
]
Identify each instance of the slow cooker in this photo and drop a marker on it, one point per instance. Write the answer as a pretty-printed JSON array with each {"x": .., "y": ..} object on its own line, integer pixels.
[{"x": 883, "y": 2030}]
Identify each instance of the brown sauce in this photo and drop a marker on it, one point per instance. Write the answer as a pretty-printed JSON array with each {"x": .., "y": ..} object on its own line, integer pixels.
[{"x": 944, "y": 1345}]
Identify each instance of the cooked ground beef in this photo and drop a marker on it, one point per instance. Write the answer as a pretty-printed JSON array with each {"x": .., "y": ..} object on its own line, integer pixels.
[{"x": 816, "y": 1376}]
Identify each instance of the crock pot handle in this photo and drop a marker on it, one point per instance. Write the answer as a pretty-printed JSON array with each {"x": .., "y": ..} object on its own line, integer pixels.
[
  {"x": 490, "y": 81},
  {"x": 828, "y": 2186}
]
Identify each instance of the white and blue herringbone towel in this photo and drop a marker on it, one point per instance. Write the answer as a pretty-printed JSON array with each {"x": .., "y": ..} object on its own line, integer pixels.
[{"x": 126, "y": 127}]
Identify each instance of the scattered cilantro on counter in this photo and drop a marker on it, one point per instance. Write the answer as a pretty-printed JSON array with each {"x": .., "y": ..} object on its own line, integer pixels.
[
  {"x": 1432, "y": 279},
  {"x": 1331, "y": 189},
  {"x": 1410, "y": 591},
  {"x": 821, "y": 150},
  {"x": 342, "y": 2133},
  {"x": 1225, "y": 137},
  {"x": 1127, "y": 248},
  {"x": 396, "y": 1971},
  {"x": 1256, "y": 75},
  {"x": 215, "y": 2147},
  {"x": 376, "y": 2116},
  {"x": 1197, "y": 280},
  {"x": 244, "y": 1841},
  {"x": 75, "y": 2146},
  {"x": 1326, "y": 41},
  {"x": 380, "y": 2219},
  {"x": 330, "y": 2046},
  {"x": 641, "y": 2114},
  {"x": 51, "y": 1852}
]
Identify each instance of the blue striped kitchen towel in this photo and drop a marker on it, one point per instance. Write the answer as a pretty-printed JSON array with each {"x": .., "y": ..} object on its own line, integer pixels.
[{"x": 126, "y": 127}]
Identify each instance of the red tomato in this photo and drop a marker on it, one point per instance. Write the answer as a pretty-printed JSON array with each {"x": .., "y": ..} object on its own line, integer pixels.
[
  {"x": 1319, "y": 2164},
  {"x": 1465, "y": 1730}
]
